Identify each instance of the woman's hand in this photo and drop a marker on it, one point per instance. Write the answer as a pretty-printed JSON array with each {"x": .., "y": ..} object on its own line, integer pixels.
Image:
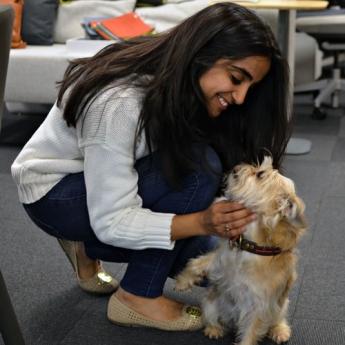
[
  {"x": 223, "y": 219},
  {"x": 226, "y": 219}
]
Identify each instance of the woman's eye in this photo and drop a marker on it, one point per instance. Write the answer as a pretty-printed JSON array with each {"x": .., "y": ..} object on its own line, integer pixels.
[
  {"x": 259, "y": 174},
  {"x": 235, "y": 81}
]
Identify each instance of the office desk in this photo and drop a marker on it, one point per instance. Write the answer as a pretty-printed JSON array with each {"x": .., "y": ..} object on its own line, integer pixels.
[
  {"x": 287, "y": 21},
  {"x": 286, "y": 38}
]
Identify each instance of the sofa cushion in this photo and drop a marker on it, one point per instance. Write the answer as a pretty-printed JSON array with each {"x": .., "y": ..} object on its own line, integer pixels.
[
  {"x": 71, "y": 15},
  {"x": 33, "y": 72},
  {"x": 38, "y": 21},
  {"x": 167, "y": 16}
]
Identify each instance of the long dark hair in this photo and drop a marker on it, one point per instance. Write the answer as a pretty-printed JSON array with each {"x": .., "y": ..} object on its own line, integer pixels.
[{"x": 174, "y": 114}]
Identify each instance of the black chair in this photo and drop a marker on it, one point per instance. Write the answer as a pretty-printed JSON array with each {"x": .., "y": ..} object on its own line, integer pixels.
[
  {"x": 328, "y": 28},
  {"x": 9, "y": 326}
]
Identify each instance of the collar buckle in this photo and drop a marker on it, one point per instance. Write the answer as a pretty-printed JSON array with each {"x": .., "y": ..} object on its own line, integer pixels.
[{"x": 235, "y": 242}]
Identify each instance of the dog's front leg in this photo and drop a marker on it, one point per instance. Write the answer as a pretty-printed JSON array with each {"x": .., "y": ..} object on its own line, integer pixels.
[
  {"x": 252, "y": 331},
  {"x": 211, "y": 308},
  {"x": 280, "y": 330},
  {"x": 194, "y": 272}
]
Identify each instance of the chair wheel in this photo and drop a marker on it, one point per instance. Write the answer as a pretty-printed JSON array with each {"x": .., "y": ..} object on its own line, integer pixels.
[{"x": 318, "y": 114}]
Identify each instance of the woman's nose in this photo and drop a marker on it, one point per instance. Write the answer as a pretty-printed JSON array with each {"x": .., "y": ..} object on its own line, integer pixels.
[{"x": 240, "y": 94}]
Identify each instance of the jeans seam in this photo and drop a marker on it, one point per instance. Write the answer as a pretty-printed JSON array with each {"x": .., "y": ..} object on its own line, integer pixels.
[
  {"x": 150, "y": 175},
  {"x": 195, "y": 189},
  {"x": 153, "y": 275}
]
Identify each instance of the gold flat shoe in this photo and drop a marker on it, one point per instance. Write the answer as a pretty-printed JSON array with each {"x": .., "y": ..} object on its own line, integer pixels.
[
  {"x": 120, "y": 314},
  {"x": 101, "y": 282}
]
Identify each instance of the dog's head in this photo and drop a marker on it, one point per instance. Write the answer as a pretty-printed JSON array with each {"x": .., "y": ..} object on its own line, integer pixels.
[{"x": 273, "y": 198}]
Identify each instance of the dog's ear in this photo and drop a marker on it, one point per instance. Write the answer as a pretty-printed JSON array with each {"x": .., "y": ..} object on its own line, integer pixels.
[{"x": 293, "y": 210}]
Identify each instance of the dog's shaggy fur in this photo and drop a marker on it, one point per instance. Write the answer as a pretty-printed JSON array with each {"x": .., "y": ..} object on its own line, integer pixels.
[{"x": 248, "y": 291}]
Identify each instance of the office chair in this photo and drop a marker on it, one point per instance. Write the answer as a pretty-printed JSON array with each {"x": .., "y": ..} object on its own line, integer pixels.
[
  {"x": 328, "y": 28},
  {"x": 9, "y": 326}
]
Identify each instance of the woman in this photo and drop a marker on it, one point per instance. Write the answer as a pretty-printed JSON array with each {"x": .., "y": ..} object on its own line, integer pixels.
[{"x": 127, "y": 163}]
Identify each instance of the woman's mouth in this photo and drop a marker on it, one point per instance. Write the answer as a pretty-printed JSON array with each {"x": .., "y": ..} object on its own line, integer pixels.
[{"x": 224, "y": 104}]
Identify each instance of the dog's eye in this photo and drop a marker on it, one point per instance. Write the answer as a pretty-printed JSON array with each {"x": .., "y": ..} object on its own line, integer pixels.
[{"x": 259, "y": 174}]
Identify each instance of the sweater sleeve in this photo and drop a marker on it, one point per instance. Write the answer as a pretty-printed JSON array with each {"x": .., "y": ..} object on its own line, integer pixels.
[{"x": 115, "y": 208}]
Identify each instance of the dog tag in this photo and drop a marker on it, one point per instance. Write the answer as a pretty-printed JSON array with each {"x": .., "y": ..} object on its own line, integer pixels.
[{"x": 233, "y": 244}]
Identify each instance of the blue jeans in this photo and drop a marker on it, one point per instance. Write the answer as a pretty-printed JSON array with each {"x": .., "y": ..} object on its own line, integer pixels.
[{"x": 63, "y": 213}]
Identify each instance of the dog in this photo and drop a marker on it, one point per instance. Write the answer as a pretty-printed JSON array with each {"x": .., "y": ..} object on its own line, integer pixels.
[{"x": 250, "y": 276}]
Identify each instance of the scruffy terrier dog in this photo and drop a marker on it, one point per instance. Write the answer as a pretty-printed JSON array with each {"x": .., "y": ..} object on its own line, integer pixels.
[{"x": 250, "y": 276}]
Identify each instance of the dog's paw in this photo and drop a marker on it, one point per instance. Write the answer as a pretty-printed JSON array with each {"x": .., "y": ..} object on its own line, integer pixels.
[
  {"x": 280, "y": 333},
  {"x": 214, "y": 332},
  {"x": 183, "y": 283}
]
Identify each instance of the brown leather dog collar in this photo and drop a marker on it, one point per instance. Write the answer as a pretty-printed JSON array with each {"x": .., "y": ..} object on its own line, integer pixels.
[{"x": 251, "y": 247}]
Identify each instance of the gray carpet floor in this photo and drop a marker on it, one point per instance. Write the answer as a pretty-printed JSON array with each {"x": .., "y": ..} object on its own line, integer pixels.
[{"x": 52, "y": 309}]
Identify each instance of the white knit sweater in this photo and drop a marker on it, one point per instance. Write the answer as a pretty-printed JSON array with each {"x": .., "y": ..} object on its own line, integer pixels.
[{"x": 103, "y": 149}]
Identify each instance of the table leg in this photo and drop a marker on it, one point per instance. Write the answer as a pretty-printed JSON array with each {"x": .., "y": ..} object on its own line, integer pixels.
[
  {"x": 9, "y": 326},
  {"x": 286, "y": 38}
]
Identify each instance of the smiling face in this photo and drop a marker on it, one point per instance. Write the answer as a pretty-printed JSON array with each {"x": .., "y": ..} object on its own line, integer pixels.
[{"x": 228, "y": 82}]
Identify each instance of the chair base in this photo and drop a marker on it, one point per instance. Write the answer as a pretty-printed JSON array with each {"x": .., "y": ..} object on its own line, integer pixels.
[
  {"x": 319, "y": 113},
  {"x": 326, "y": 87}
]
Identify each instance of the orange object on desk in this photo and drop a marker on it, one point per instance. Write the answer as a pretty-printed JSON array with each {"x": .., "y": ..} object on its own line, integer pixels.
[{"x": 125, "y": 26}]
